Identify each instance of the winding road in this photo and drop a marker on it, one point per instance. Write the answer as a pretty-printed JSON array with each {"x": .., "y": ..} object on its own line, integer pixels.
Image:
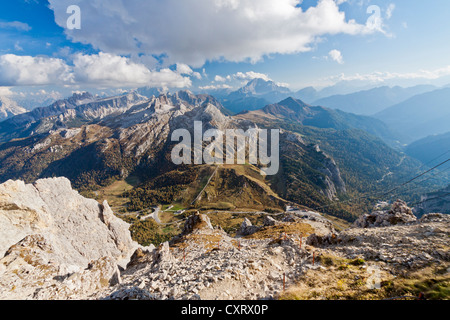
[{"x": 154, "y": 215}]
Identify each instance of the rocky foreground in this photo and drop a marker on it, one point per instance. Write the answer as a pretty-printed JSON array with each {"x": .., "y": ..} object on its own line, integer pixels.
[{"x": 56, "y": 244}]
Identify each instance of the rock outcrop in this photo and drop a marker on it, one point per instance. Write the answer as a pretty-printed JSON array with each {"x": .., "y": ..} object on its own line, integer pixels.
[
  {"x": 69, "y": 248},
  {"x": 55, "y": 243},
  {"x": 399, "y": 214},
  {"x": 197, "y": 222},
  {"x": 410, "y": 245},
  {"x": 205, "y": 263},
  {"x": 247, "y": 228}
]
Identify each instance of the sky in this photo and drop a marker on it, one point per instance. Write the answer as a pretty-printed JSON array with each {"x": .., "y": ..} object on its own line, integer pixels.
[{"x": 50, "y": 46}]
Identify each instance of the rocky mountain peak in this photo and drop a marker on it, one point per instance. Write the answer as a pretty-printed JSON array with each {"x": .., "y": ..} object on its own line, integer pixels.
[
  {"x": 79, "y": 98},
  {"x": 9, "y": 108},
  {"x": 289, "y": 108},
  {"x": 48, "y": 226},
  {"x": 261, "y": 86},
  {"x": 186, "y": 95},
  {"x": 295, "y": 105}
]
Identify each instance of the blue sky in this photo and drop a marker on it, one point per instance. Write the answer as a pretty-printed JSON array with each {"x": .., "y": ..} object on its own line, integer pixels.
[{"x": 222, "y": 43}]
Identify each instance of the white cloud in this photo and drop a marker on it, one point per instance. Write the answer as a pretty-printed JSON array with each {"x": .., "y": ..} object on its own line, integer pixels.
[
  {"x": 385, "y": 76},
  {"x": 241, "y": 76},
  {"x": 5, "y": 92},
  {"x": 282, "y": 84},
  {"x": 105, "y": 69},
  {"x": 250, "y": 75},
  {"x": 99, "y": 70},
  {"x": 17, "y": 47},
  {"x": 219, "y": 79},
  {"x": 39, "y": 93},
  {"x": 28, "y": 71},
  {"x": 216, "y": 87},
  {"x": 390, "y": 10},
  {"x": 336, "y": 55},
  {"x": 195, "y": 31},
  {"x": 21, "y": 26},
  {"x": 184, "y": 69}
]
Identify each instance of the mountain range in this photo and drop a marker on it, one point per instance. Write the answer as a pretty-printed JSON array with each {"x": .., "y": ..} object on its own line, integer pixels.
[
  {"x": 409, "y": 114},
  {"x": 9, "y": 108},
  {"x": 420, "y": 116},
  {"x": 256, "y": 94},
  {"x": 294, "y": 110},
  {"x": 427, "y": 149},
  {"x": 105, "y": 139},
  {"x": 370, "y": 102},
  {"x": 325, "y": 154},
  {"x": 438, "y": 201},
  {"x": 399, "y": 108}
]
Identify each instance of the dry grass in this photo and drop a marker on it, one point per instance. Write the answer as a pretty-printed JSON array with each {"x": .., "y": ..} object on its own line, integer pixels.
[
  {"x": 231, "y": 222},
  {"x": 167, "y": 217},
  {"x": 346, "y": 279},
  {"x": 342, "y": 280},
  {"x": 239, "y": 186},
  {"x": 433, "y": 282},
  {"x": 113, "y": 193},
  {"x": 289, "y": 229},
  {"x": 208, "y": 241}
]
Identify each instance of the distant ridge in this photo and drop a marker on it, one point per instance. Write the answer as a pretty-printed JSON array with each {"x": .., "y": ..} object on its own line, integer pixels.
[
  {"x": 420, "y": 116},
  {"x": 370, "y": 102}
]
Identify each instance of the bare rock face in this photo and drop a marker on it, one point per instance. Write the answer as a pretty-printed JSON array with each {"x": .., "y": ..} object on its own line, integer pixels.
[
  {"x": 49, "y": 233},
  {"x": 247, "y": 228},
  {"x": 270, "y": 222},
  {"x": 119, "y": 230},
  {"x": 409, "y": 245},
  {"x": 141, "y": 256},
  {"x": 197, "y": 222},
  {"x": 399, "y": 214},
  {"x": 400, "y": 207},
  {"x": 133, "y": 293}
]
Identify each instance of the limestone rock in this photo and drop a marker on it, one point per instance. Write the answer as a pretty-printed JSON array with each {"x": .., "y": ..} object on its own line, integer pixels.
[
  {"x": 321, "y": 240},
  {"x": 119, "y": 230},
  {"x": 411, "y": 245},
  {"x": 270, "y": 222},
  {"x": 197, "y": 222},
  {"x": 435, "y": 217},
  {"x": 163, "y": 255},
  {"x": 48, "y": 231},
  {"x": 399, "y": 214},
  {"x": 140, "y": 257},
  {"x": 82, "y": 284},
  {"x": 247, "y": 228},
  {"x": 133, "y": 293}
]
